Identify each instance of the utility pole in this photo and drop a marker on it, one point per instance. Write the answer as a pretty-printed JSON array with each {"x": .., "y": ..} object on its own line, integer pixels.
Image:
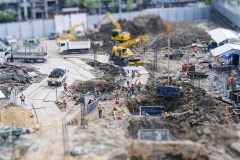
[
  {"x": 33, "y": 9},
  {"x": 46, "y": 9},
  {"x": 25, "y": 10},
  {"x": 120, "y": 8},
  {"x": 19, "y": 11},
  {"x": 56, "y": 7},
  {"x": 99, "y": 8},
  {"x": 169, "y": 30}
]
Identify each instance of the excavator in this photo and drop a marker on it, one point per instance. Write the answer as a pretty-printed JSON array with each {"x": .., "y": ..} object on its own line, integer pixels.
[
  {"x": 123, "y": 56},
  {"x": 69, "y": 34},
  {"x": 117, "y": 33}
]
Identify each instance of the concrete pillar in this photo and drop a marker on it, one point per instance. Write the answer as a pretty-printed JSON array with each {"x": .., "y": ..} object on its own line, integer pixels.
[
  {"x": 25, "y": 9},
  {"x": 56, "y": 2},
  {"x": 33, "y": 10},
  {"x": 46, "y": 8},
  {"x": 19, "y": 11}
]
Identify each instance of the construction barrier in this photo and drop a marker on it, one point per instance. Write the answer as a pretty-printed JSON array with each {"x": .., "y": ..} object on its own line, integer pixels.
[{"x": 92, "y": 106}]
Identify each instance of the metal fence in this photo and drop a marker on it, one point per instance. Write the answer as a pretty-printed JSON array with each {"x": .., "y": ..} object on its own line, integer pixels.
[
  {"x": 92, "y": 106},
  {"x": 41, "y": 28}
]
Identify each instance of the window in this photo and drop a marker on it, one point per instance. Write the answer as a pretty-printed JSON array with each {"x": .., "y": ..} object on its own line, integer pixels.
[
  {"x": 31, "y": 41},
  {"x": 114, "y": 33},
  {"x": 6, "y": 53},
  {"x": 62, "y": 44}
]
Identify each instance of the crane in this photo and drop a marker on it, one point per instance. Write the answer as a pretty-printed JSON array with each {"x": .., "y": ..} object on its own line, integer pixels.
[
  {"x": 122, "y": 55},
  {"x": 117, "y": 33},
  {"x": 69, "y": 35}
]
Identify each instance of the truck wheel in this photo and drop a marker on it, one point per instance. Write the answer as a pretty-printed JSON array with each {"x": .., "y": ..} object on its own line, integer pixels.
[
  {"x": 82, "y": 51},
  {"x": 65, "y": 52},
  {"x": 32, "y": 61}
]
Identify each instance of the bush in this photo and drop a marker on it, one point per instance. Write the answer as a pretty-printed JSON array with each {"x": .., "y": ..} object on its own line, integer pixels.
[{"x": 6, "y": 16}]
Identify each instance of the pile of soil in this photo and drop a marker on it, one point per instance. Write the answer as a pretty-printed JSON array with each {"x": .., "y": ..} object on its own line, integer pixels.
[
  {"x": 151, "y": 24},
  {"x": 17, "y": 116},
  {"x": 190, "y": 101},
  {"x": 56, "y": 74},
  {"x": 86, "y": 86}
]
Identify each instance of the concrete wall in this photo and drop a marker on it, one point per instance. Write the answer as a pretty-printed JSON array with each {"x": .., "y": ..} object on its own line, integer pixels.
[{"x": 41, "y": 28}]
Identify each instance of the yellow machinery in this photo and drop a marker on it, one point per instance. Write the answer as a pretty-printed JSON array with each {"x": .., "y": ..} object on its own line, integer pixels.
[
  {"x": 122, "y": 55},
  {"x": 117, "y": 33},
  {"x": 69, "y": 35}
]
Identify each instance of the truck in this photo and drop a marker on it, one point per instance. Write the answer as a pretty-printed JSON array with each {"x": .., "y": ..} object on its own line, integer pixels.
[
  {"x": 81, "y": 46},
  {"x": 15, "y": 52},
  {"x": 57, "y": 77}
]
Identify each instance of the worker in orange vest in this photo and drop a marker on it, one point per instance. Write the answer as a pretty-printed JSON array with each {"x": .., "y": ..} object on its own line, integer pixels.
[
  {"x": 64, "y": 104},
  {"x": 22, "y": 97},
  {"x": 165, "y": 114},
  {"x": 65, "y": 87},
  {"x": 228, "y": 83},
  {"x": 117, "y": 93},
  {"x": 100, "y": 110},
  {"x": 128, "y": 90}
]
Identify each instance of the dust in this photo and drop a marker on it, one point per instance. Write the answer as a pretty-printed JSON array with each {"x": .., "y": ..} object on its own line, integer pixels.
[{"x": 17, "y": 116}]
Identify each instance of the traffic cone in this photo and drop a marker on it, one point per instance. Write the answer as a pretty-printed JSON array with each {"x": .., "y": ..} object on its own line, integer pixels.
[{"x": 116, "y": 102}]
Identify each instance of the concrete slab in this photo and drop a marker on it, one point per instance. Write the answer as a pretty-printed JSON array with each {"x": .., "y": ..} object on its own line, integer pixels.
[
  {"x": 43, "y": 117},
  {"x": 27, "y": 102},
  {"x": 42, "y": 94},
  {"x": 35, "y": 92},
  {"x": 55, "y": 113},
  {"x": 52, "y": 96},
  {"x": 81, "y": 63},
  {"x": 143, "y": 79},
  {"x": 32, "y": 88}
]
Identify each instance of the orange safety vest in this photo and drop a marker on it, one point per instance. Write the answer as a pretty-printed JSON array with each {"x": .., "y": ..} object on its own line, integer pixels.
[
  {"x": 64, "y": 103},
  {"x": 99, "y": 107},
  {"x": 139, "y": 84},
  {"x": 117, "y": 91},
  {"x": 128, "y": 88},
  {"x": 65, "y": 85},
  {"x": 228, "y": 81}
]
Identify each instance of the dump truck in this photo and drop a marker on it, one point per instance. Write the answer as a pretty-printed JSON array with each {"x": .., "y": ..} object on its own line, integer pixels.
[
  {"x": 122, "y": 55},
  {"x": 57, "y": 77},
  {"x": 16, "y": 52},
  {"x": 117, "y": 33},
  {"x": 80, "y": 46}
]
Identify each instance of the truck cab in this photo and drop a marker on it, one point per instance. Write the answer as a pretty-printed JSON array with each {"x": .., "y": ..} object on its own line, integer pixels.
[
  {"x": 7, "y": 55},
  {"x": 62, "y": 46}
]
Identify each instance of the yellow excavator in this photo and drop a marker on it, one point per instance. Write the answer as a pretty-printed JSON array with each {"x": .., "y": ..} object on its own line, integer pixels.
[
  {"x": 69, "y": 34},
  {"x": 123, "y": 56},
  {"x": 117, "y": 33}
]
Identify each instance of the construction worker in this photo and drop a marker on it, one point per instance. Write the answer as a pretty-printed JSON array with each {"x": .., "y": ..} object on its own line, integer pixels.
[
  {"x": 65, "y": 87},
  {"x": 90, "y": 101},
  {"x": 133, "y": 74},
  {"x": 158, "y": 136},
  {"x": 228, "y": 83},
  {"x": 147, "y": 115},
  {"x": 117, "y": 93},
  {"x": 132, "y": 88},
  {"x": 22, "y": 97},
  {"x": 233, "y": 83},
  {"x": 64, "y": 104},
  {"x": 127, "y": 79},
  {"x": 139, "y": 86},
  {"x": 128, "y": 91},
  {"x": 100, "y": 110},
  {"x": 165, "y": 114}
]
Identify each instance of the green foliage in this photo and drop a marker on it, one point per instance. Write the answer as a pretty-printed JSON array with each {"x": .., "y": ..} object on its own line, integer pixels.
[
  {"x": 207, "y": 2},
  {"x": 129, "y": 5},
  {"x": 6, "y": 16},
  {"x": 88, "y": 3},
  {"x": 106, "y": 2}
]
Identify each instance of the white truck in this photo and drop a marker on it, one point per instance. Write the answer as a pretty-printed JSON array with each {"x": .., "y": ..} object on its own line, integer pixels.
[
  {"x": 81, "y": 46},
  {"x": 57, "y": 77}
]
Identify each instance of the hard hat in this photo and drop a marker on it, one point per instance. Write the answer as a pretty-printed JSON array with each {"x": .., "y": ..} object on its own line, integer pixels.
[
  {"x": 22, "y": 93},
  {"x": 90, "y": 98}
]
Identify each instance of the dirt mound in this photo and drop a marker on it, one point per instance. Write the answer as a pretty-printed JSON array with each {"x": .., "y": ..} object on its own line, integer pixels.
[
  {"x": 17, "y": 116},
  {"x": 151, "y": 24},
  {"x": 190, "y": 101}
]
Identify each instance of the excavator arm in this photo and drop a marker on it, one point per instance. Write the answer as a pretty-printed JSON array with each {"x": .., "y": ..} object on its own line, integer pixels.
[
  {"x": 77, "y": 25},
  {"x": 114, "y": 22},
  {"x": 139, "y": 39}
]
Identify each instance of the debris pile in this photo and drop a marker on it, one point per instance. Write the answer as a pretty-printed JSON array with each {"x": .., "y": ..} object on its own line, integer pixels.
[
  {"x": 15, "y": 72},
  {"x": 56, "y": 74},
  {"x": 17, "y": 116}
]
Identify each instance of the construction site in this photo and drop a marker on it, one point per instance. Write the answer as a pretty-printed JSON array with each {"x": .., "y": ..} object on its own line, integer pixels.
[{"x": 140, "y": 89}]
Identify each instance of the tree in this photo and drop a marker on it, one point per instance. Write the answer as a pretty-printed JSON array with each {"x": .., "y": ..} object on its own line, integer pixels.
[
  {"x": 207, "y": 2},
  {"x": 88, "y": 3},
  {"x": 129, "y": 5},
  {"x": 6, "y": 16},
  {"x": 70, "y": 3}
]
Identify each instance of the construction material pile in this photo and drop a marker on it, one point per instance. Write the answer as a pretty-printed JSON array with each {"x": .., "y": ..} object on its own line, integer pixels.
[
  {"x": 183, "y": 33},
  {"x": 56, "y": 74},
  {"x": 15, "y": 72},
  {"x": 191, "y": 101},
  {"x": 17, "y": 116}
]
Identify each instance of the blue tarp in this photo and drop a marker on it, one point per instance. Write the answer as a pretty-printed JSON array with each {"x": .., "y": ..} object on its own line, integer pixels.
[{"x": 60, "y": 70}]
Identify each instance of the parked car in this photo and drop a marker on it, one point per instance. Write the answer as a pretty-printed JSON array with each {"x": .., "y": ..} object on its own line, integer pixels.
[
  {"x": 53, "y": 35},
  {"x": 30, "y": 43},
  {"x": 2, "y": 46},
  {"x": 9, "y": 40}
]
